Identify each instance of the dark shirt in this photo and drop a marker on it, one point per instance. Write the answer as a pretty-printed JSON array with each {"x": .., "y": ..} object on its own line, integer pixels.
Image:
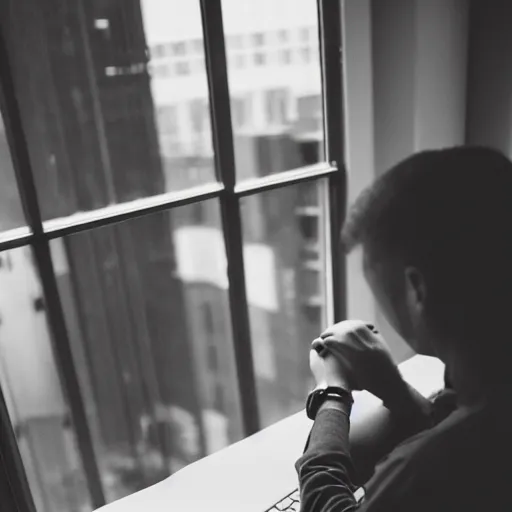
[{"x": 460, "y": 464}]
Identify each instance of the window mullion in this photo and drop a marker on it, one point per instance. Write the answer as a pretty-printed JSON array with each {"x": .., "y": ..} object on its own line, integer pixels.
[
  {"x": 329, "y": 13},
  {"x": 230, "y": 206},
  {"x": 41, "y": 248}
]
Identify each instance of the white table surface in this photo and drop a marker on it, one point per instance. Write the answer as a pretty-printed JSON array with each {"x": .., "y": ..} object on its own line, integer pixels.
[{"x": 261, "y": 465}]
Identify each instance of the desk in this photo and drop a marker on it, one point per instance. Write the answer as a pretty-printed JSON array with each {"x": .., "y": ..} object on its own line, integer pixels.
[{"x": 262, "y": 463}]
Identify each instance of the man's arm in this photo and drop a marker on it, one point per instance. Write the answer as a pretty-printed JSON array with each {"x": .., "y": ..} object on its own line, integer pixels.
[
  {"x": 375, "y": 433},
  {"x": 325, "y": 470}
]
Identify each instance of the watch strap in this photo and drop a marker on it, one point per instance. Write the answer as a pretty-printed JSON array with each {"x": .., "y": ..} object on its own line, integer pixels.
[{"x": 318, "y": 396}]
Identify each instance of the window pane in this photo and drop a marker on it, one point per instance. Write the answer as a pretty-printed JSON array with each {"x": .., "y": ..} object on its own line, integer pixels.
[
  {"x": 11, "y": 212},
  {"x": 30, "y": 383},
  {"x": 284, "y": 249},
  {"x": 147, "y": 312},
  {"x": 106, "y": 90},
  {"x": 274, "y": 73}
]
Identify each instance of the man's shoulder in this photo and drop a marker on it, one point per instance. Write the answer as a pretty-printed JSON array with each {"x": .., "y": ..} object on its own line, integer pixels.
[
  {"x": 442, "y": 444},
  {"x": 429, "y": 464}
]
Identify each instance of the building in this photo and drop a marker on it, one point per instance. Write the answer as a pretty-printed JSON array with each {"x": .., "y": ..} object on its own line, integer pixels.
[{"x": 114, "y": 97}]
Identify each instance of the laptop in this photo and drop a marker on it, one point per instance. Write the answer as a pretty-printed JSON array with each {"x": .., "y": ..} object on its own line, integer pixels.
[{"x": 291, "y": 502}]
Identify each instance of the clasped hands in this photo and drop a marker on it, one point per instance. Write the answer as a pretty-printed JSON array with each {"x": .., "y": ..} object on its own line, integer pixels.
[{"x": 353, "y": 355}]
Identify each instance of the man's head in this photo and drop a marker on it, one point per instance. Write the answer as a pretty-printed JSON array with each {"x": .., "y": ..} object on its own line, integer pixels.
[{"x": 436, "y": 234}]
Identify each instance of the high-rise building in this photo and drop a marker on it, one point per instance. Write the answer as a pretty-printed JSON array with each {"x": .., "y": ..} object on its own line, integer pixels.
[{"x": 114, "y": 100}]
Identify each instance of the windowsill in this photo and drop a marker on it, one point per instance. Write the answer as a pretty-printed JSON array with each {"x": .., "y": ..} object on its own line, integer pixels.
[{"x": 228, "y": 478}]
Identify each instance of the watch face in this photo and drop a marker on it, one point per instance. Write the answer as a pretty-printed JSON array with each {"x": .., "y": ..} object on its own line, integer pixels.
[{"x": 317, "y": 397}]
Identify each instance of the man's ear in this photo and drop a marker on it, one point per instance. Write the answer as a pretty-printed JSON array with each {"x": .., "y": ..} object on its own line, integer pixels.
[{"x": 415, "y": 289}]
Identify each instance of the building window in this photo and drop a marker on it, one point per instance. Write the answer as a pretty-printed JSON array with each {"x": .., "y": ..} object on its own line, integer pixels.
[
  {"x": 239, "y": 61},
  {"x": 235, "y": 42},
  {"x": 308, "y": 225},
  {"x": 219, "y": 400},
  {"x": 182, "y": 68},
  {"x": 158, "y": 51},
  {"x": 258, "y": 39},
  {"x": 304, "y": 35},
  {"x": 213, "y": 363},
  {"x": 208, "y": 318},
  {"x": 285, "y": 57},
  {"x": 241, "y": 111},
  {"x": 276, "y": 102},
  {"x": 198, "y": 218},
  {"x": 198, "y": 115},
  {"x": 306, "y": 54},
  {"x": 178, "y": 49},
  {"x": 197, "y": 46},
  {"x": 259, "y": 59},
  {"x": 282, "y": 36},
  {"x": 167, "y": 119},
  {"x": 161, "y": 71}
]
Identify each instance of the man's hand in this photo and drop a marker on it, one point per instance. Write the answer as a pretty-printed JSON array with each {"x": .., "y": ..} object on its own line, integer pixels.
[
  {"x": 355, "y": 352},
  {"x": 326, "y": 369}
]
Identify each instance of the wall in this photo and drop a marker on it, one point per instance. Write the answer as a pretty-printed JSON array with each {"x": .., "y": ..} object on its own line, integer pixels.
[
  {"x": 405, "y": 75},
  {"x": 489, "y": 105}
]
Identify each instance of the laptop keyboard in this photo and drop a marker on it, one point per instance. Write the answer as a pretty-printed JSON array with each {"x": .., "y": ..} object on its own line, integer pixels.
[
  {"x": 292, "y": 502},
  {"x": 289, "y": 504}
]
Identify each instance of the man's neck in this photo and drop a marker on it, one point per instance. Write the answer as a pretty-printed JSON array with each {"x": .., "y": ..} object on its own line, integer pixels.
[{"x": 474, "y": 383}]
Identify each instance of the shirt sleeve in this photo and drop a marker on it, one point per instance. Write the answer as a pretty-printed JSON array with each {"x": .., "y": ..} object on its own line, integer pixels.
[{"x": 326, "y": 471}]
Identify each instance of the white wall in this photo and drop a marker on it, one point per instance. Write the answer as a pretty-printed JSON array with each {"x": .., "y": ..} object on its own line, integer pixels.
[
  {"x": 405, "y": 82},
  {"x": 489, "y": 106},
  {"x": 359, "y": 140}
]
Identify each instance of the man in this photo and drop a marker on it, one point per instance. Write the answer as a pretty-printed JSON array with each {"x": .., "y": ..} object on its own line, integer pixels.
[{"x": 435, "y": 234}]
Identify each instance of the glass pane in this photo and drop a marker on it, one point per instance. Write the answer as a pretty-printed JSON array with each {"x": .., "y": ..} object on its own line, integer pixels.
[
  {"x": 275, "y": 84},
  {"x": 30, "y": 383},
  {"x": 11, "y": 211},
  {"x": 147, "y": 311},
  {"x": 114, "y": 99},
  {"x": 284, "y": 234}
]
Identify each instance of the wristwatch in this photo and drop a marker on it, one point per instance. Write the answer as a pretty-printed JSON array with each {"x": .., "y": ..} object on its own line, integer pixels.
[{"x": 318, "y": 396}]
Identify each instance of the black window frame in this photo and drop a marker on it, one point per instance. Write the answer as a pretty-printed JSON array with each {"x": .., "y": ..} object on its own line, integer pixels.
[{"x": 227, "y": 190}]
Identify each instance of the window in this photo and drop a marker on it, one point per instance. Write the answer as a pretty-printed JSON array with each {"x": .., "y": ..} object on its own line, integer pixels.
[
  {"x": 309, "y": 227},
  {"x": 304, "y": 35},
  {"x": 306, "y": 54},
  {"x": 258, "y": 39},
  {"x": 197, "y": 46},
  {"x": 198, "y": 217},
  {"x": 285, "y": 57},
  {"x": 277, "y": 106},
  {"x": 259, "y": 59},
  {"x": 182, "y": 68},
  {"x": 208, "y": 318},
  {"x": 146, "y": 296},
  {"x": 235, "y": 42},
  {"x": 282, "y": 36},
  {"x": 158, "y": 51},
  {"x": 178, "y": 49},
  {"x": 219, "y": 398},
  {"x": 239, "y": 61},
  {"x": 167, "y": 120},
  {"x": 213, "y": 363},
  {"x": 241, "y": 110},
  {"x": 198, "y": 115}
]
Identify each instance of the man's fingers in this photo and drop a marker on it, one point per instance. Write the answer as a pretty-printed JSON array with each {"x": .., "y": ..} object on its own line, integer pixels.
[
  {"x": 347, "y": 327},
  {"x": 318, "y": 346}
]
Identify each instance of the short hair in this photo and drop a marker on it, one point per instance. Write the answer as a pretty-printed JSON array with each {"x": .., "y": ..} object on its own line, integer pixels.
[{"x": 447, "y": 212}]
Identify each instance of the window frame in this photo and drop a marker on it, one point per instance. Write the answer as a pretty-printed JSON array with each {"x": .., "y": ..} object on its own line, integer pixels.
[{"x": 38, "y": 233}]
